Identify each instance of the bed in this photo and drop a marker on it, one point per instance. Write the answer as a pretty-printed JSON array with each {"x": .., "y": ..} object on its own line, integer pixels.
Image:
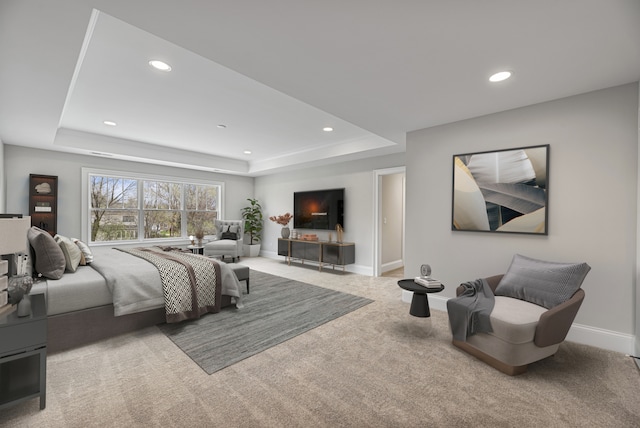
[{"x": 119, "y": 292}]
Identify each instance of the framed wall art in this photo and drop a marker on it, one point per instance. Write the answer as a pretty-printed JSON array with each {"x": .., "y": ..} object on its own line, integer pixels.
[{"x": 502, "y": 191}]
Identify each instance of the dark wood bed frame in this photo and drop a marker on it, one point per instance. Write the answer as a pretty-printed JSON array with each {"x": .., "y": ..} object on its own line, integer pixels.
[{"x": 73, "y": 329}]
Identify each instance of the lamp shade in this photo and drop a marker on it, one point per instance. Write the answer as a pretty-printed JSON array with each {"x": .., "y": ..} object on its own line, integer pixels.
[{"x": 13, "y": 235}]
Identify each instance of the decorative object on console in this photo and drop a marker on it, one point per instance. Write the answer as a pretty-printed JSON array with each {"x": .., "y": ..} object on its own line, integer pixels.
[
  {"x": 501, "y": 191},
  {"x": 283, "y": 220},
  {"x": 339, "y": 232}
]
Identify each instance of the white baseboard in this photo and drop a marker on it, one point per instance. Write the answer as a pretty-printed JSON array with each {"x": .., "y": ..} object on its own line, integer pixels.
[
  {"x": 386, "y": 267},
  {"x": 601, "y": 338},
  {"x": 579, "y": 333}
]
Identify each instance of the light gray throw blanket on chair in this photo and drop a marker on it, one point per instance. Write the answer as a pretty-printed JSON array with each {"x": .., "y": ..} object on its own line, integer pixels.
[{"x": 469, "y": 312}]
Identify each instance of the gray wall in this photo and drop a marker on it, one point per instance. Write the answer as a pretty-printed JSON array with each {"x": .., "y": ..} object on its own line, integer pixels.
[
  {"x": 3, "y": 176},
  {"x": 275, "y": 193},
  {"x": 592, "y": 198},
  {"x": 22, "y": 161}
]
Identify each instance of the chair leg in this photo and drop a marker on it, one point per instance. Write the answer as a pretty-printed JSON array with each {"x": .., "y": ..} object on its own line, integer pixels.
[{"x": 247, "y": 285}]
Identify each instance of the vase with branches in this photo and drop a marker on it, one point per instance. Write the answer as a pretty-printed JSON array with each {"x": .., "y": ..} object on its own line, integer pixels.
[
  {"x": 199, "y": 233},
  {"x": 283, "y": 220}
]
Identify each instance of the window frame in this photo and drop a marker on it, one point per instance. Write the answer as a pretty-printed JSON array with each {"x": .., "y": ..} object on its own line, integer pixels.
[{"x": 86, "y": 202}]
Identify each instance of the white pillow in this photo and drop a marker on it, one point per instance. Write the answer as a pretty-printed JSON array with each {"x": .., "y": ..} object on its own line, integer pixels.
[
  {"x": 72, "y": 253},
  {"x": 86, "y": 251}
]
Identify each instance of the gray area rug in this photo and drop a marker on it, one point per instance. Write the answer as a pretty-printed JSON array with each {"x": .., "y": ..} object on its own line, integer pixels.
[{"x": 277, "y": 310}]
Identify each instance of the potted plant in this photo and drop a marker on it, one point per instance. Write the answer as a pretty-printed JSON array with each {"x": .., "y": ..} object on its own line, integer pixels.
[{"x": 252, "y": 216}]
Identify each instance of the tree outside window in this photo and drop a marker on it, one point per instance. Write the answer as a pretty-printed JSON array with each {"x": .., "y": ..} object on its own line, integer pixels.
[{"x": 167, "y": 209}]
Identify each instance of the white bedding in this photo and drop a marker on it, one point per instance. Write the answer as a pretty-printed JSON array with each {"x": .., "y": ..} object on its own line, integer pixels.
[
  {"x": 83, "y": 289},
  {"x": 135, "y": 283}
]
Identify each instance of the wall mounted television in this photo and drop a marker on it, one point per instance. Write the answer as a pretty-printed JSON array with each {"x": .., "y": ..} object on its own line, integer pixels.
[{"x": 318, "y": 209}]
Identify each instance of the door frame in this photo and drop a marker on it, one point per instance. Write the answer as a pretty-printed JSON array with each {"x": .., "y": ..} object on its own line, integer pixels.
[{"x": 377, "y": 214}]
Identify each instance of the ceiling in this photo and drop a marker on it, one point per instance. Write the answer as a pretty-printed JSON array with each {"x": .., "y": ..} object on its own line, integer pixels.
[{"x": 275, "y": 73}]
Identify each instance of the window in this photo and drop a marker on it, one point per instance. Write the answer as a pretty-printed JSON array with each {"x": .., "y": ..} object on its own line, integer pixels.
[{"x": 139, "y": 208}]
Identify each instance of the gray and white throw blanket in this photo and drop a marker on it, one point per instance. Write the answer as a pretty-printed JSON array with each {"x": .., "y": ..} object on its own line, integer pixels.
[
  {"x": 191, "y": 284},
  {"x": 469, "y": 312}
]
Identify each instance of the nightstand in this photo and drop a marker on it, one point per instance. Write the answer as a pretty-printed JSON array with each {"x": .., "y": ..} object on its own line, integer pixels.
[{"x": 23, "y": 355}]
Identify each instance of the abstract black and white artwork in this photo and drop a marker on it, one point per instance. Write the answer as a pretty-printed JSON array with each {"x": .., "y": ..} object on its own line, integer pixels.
[{"x": 503, "y": 191}]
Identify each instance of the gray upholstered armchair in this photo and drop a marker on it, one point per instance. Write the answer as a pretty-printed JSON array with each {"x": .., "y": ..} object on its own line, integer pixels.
[
  {"x": 535, "y": 305},
  {"x": 228, "y": 242}
]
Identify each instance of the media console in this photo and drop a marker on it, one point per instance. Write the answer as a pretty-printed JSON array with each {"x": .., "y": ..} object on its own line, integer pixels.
[{"x": 321, "y": 252}]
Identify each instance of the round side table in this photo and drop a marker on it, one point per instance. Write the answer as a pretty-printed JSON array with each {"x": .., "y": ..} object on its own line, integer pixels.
[{"x": 419, "y": 302}]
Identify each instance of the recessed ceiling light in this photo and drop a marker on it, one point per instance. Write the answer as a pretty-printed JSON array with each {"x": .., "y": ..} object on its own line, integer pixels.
[
  {"x": 222, "y": 126},
  {"x": 109, "y": 123},
  {"x": 160, "y": 65},
  {"x": 500, "y": 76},
  {"x": 247, "y": 152},
  {"x": 327, "y": 129}
]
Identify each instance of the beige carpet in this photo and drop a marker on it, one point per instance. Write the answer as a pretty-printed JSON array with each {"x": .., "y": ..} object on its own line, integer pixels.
[{"x": 374, "y": 367}]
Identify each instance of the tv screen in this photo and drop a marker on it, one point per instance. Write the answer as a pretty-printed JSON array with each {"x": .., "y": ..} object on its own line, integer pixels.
[{"x": 318, "y": 209}]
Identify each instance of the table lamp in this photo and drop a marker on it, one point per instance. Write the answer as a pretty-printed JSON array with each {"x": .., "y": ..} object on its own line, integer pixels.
[{"x": 13, "y": 239}]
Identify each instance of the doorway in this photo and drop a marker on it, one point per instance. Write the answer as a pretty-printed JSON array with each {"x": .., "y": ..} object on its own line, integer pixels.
[{"x": 389, "y": 235}]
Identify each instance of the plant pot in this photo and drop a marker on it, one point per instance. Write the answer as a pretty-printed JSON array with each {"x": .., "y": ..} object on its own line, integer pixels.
[{"x": 251, "y": 250}]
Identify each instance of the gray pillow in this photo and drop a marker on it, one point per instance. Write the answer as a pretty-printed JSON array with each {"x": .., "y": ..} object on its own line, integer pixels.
[
  {"x": 544, "y": 283},
  {"x": 50, "y": 260}
]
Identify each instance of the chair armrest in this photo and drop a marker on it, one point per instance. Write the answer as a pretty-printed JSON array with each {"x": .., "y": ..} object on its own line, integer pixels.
[
  {"x": 493, "y": 282},
  {"x": 554, "y": 324}
]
